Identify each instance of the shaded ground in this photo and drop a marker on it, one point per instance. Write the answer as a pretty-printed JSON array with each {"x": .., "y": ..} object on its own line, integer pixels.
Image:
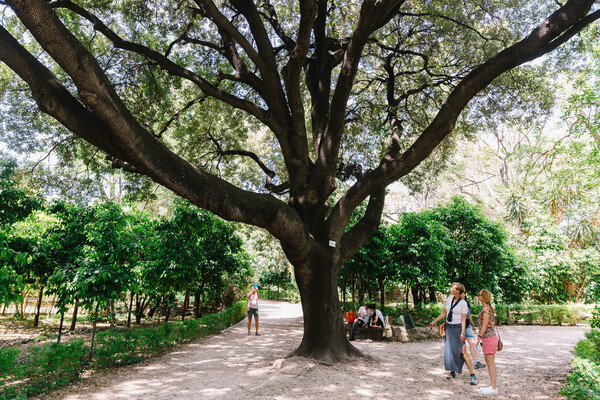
[{"x": 232, "y": 365}]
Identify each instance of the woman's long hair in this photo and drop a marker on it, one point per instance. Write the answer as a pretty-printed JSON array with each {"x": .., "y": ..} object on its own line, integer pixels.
[{"x": 486, "y": 296}]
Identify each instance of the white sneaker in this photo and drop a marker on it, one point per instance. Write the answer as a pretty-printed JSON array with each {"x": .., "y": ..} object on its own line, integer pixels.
[{"x": 489, "y": 391}]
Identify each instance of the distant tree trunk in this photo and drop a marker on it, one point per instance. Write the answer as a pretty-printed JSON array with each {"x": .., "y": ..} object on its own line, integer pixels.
[
  {"x": 381, "y": 283},
  {"x": 52, "y": 303},
  {"x": 140, "y": 307},
  {"x": 36, "y": 319},
  {"x": 24, "y": 305},
  {"x": 3, "y": 309},
  {"x": 353, "y": 288},
  {"x": 416, "y": 295},
  {"x": 129, "y": 310},
  {"x": 154, "y": 308},
  {"x": 74, "y": 319},
  {"x": 60, "y": 326},
  {"x": 186, "y": 301},
  {"x": 197, "y": 304},
  {"x": 370, "y": 291},
  {"x": 432, "y": 296},
  {"x": 113, "y": 314},
  {"x": 167, "y": 313},
  {"x": 94, "y": 331}
]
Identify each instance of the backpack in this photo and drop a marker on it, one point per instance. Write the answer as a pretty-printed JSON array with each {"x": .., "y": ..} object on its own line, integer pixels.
[{"x": 351, "y": 316}]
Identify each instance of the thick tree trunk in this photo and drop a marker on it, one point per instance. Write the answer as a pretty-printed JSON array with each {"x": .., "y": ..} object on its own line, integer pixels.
[
  {"x": 324, "y": 337},
  {"x": 36, "y": 319},
  {"x": 74, "y": 319}
]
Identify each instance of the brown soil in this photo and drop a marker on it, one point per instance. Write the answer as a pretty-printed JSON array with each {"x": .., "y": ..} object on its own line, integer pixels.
[{"x": 232, "y": 365}]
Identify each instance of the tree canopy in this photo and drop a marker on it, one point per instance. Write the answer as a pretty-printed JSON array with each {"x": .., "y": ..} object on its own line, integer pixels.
[{"x": 342, "y": 99}]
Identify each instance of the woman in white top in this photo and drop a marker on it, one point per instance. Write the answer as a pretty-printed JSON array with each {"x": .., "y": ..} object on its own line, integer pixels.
[
  {"x": 455, "y": 313},
  {"x": 252, "y": 309}
]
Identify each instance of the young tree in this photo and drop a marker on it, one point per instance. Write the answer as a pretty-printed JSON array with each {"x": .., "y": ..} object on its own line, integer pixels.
[
  {"x": 321, "y": 77},
  {"x": 15, "y": 205}
]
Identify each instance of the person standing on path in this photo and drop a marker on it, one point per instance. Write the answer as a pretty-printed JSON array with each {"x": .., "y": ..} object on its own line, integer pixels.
[
  {"x": 488, "y": 338},
  {"x": 253, "y": 308},
  {"x": 455, "y": 313}
]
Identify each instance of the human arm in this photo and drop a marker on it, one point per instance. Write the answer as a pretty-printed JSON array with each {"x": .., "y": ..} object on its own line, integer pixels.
[
  {"x": 482, "y": 323},
  {"x": 463, "y": 326},
  {"x": 442, "y": 315}
]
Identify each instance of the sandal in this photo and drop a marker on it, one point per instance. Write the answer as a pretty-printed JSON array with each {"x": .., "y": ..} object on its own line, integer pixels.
[
  {"x": 473, "y": 380},
  {"x": 451, "y": 375}
]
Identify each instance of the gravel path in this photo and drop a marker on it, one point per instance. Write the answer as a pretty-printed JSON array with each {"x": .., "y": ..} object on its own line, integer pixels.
[{"x": 232, "y": 365}]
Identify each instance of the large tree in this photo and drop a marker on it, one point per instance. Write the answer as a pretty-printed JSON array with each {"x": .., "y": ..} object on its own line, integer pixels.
[{"x": 323, "y": 78}]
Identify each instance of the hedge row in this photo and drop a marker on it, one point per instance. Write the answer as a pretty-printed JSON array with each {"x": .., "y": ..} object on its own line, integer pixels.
[
  {"x": 539, "y": 314},
  {"x": 53, "y": 365}
]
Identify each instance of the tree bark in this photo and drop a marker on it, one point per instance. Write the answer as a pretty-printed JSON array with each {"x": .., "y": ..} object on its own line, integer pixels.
[{"x": 324, "y": 337}]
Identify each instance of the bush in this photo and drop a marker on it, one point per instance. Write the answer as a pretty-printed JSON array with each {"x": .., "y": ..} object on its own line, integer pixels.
[
  {"x": 47, "y": 366},
  {"x": 116, "y": 347},
  {"x": 8, "y": 356},
  {"x": 584, "y": 381}
]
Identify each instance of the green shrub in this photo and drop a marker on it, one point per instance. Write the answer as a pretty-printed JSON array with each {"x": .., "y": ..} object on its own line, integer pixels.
[
  {"x": 188, "y": 330},
  {"x": 52, "y": 365},
  {"x": 584, "y": 382},
  {"x": 116, "y": 347},
  {"x": 8, "y": 356}
]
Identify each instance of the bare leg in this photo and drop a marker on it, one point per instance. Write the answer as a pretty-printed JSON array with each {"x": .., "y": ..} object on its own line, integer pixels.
[
  {"x": 467, "y": 359},
  {"x": 255, "y": 323},
  {"x": 249, "y": 323},
  {"x": 472, "y": 349},
  {"x": 490, "y": 360}
]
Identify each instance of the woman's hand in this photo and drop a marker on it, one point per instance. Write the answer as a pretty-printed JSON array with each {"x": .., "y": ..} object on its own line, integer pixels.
[
  {"x": 462, "y": 336},
  {"x": 432, "y": 323}
]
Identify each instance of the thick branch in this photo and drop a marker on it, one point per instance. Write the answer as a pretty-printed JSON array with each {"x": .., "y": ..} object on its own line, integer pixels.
[
  {"x": 353, "y": 240},
  {"x": 163, "y": 62},
  {"x": 110, "y": 129},
  {"x": 373, "y": 15},
  {"x": 544, "y": 38}
]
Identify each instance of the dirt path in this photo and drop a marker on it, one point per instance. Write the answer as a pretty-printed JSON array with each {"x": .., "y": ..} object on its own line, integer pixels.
[{"x": 232, "y": 365}]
